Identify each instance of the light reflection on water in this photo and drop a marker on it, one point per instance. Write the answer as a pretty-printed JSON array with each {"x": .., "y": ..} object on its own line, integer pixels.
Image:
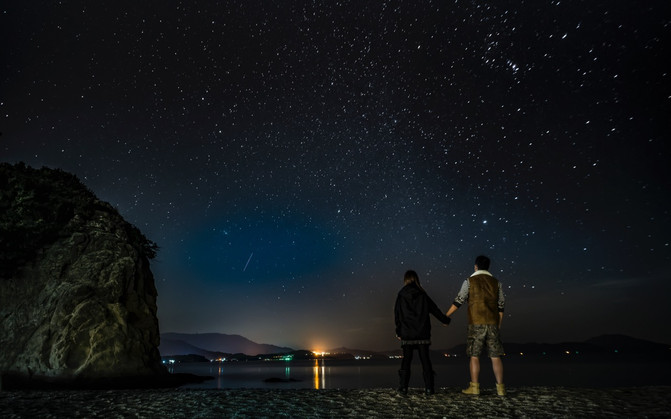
[
  {"x": 316, "y": 374},
  {"x": 319, "y": 374},
  {"x": 332, "y": 374}
]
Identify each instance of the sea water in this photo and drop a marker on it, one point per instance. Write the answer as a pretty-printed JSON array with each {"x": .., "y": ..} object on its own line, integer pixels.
[{"x": 359, "y": 374}]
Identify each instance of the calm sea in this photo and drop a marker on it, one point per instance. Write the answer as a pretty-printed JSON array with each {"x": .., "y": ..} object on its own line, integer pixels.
[{"x": 331, "y": 374}]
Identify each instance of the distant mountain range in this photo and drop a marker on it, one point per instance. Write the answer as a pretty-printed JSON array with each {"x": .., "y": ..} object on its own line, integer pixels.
[
  {"x": 213, "y": 345},
  {"x": 217, "y": 345}
]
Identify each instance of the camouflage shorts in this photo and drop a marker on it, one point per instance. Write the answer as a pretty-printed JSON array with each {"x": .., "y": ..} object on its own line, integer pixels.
[{"x": 480, "y": 335}]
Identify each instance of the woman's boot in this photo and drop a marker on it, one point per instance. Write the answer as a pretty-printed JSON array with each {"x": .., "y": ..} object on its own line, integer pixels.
[
  {"x": 403, "y": 380},
  {"x": 428, "y": 382}
]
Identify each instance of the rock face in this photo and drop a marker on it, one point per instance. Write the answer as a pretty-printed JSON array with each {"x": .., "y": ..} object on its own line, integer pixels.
[{"x": 77, "y": 297}]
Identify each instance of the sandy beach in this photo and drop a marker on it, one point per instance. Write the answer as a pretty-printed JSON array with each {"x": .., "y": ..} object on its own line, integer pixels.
[{"x": 366, "y": 403}]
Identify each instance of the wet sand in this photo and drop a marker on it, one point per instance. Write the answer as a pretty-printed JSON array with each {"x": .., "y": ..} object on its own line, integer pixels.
[{"x": 366, "y": 403}]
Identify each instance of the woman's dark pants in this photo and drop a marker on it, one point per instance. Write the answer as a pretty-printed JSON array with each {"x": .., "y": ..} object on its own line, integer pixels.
[{"x": 427, "y": 368}]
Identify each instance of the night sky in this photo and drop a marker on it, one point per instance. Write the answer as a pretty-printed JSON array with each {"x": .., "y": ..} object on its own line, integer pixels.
[{"x": 293, "y": 159}]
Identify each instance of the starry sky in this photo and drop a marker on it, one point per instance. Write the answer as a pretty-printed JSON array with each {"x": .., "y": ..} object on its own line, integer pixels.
[{"x": 292, "y": 159}]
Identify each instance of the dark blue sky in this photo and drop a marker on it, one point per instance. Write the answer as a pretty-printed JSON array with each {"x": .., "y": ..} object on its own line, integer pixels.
[{"x": 293, "y": 159}]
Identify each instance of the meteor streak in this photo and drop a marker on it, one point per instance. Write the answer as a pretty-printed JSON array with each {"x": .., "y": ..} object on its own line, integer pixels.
[{"x": 246, "y": 264}]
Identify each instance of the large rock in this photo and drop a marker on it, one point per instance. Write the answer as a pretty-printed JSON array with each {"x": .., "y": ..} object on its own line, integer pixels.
[{"x": 77, "y": 297}]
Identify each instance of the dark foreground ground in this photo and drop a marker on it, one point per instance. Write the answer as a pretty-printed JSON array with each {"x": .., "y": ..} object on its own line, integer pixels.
[{"x": 372, "y": 403}]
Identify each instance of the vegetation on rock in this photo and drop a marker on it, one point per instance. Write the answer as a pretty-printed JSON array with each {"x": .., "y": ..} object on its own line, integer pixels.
[{"x": 39, "y": 205}]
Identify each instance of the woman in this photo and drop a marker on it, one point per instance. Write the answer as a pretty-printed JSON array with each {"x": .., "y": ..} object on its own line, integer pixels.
[{"x": 413, "y": 328}]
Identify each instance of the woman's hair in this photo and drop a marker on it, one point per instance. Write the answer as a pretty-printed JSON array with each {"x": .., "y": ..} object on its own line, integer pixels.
[{"x": 411, "y": 277}]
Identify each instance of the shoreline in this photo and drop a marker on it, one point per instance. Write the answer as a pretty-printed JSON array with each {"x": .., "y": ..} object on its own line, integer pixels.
[
  {"x": 650, "y": 401},
  {"x": 16, "y": 382}
]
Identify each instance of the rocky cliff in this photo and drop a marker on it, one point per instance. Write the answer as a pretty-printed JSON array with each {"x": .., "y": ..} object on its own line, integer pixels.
[{"x": 77, "y": 297}]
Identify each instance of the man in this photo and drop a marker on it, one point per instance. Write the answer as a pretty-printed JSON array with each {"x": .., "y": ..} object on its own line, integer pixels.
[{"x": 485, "y": 314}]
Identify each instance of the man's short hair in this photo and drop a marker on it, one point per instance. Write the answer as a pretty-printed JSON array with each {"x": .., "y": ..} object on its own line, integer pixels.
[{"x": 482, "y": 262}]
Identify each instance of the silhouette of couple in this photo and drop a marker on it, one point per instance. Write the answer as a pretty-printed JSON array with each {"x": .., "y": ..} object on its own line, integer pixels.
[{"x": 484, "y": 296}]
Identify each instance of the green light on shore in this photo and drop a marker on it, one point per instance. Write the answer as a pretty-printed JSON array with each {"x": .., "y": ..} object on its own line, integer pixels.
[{"x": 288, "y": 357}]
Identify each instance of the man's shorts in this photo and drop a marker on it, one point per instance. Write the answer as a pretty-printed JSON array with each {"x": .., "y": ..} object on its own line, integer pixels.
[{"x": 480, "y": 335}]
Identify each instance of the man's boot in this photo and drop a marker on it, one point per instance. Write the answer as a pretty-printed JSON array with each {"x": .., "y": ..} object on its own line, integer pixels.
[
  {"x": 403, "y": 380},
  {"x": 428, "y": 383},
  {"x": 473, "y": 388}
]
